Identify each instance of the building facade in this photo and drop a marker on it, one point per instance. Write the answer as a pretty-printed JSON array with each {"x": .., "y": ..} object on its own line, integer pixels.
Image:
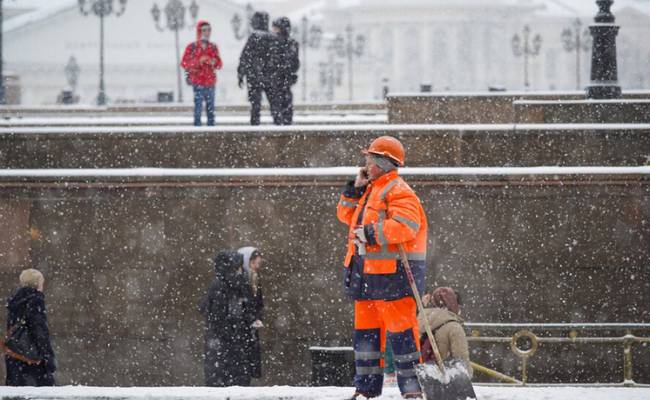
[{"x": 445, "y": 45}]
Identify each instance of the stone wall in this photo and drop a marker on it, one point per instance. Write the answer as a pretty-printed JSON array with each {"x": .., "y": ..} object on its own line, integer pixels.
[
  {"x": 582, "y": 111},
  {"x": 472, "y": 108},
  {"x": 322, "y": 146},
  {"x": 127, "y": 261}
]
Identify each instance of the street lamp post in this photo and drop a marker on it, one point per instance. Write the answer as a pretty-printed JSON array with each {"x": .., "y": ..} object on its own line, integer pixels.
[
  {"x": 101, "y": 9},
  {"x": 350, "y": 46},
  {"x": 576, "y": 39},
  {"x": 3, "y": 100},
  {"x": 237, "y": 26},
  {"x": 522, "y": 46},
  {"x": 604, "y": 72},
  {"x": 331, "y": 72},
  {"x": 175, "y": 16},
  {"x": 310, "y": 36}
]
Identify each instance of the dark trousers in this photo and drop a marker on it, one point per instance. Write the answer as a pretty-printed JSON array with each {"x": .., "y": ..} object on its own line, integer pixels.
[
  {"x": 282, "y": 105},
  {"x": 203, "y": 94},
  {"x": 255, "y": 91},
  {"x": 22, "y": 374}
]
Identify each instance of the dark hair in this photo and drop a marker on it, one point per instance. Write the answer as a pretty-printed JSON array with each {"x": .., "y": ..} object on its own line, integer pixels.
[
  {"x": 256, "y": 253},
  {"x": 458, "y": 298},
  {"x": 284, "y": 25},
  {"x": 260, "y": 20}
]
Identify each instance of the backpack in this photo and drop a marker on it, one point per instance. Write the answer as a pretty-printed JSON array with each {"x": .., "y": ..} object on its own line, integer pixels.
[
  {"x": 18, "y": 344},
  {"x": 188, "y": 81}
]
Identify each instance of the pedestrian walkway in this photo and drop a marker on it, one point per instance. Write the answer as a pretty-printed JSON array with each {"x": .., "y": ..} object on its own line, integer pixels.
[
  {"x": 224, "y": 120},
  {"x": 311, "y": 393}
]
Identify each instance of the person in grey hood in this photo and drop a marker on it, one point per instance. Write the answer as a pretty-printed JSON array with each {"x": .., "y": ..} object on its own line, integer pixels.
[
  {"x": 255, "y": 63},
  {"x": 252, "y": 264}
]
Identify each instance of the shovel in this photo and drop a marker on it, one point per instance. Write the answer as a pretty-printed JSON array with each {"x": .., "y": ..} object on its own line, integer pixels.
[{"x": 446, "y": 380}]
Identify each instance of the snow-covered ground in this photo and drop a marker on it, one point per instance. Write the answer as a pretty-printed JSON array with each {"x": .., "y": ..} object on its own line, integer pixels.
[
  {"x": 314, "y": 172},
  {"x": 339, "y": 129},
  {"x": 187, "y": 120},
  {"x": 314, "y": 393}
]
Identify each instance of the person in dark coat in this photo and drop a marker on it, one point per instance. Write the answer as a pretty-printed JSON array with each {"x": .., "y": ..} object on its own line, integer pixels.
[
  {"x": 228, "y": 320},
  {"x": 28, "y": 304},
  {"x": 252, "y": 265},
  {"x": 285, "y": 63},
  {"x": 254, "y": 63}
]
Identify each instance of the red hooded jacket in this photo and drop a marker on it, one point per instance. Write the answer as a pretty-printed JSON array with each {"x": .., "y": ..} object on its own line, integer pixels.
[{"x": 201, "y": 62}]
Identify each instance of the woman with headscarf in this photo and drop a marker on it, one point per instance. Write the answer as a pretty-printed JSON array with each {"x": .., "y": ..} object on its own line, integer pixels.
[
  {"x": 252, "y": 264},
  {"x": 228, "y": 319},
  {"x": 446, "y": 324}
]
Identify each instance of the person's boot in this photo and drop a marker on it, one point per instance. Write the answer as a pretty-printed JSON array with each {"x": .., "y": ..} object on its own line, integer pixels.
[
  {"x": 413, "y": 396},
  {"x": 359, "y": 396}
]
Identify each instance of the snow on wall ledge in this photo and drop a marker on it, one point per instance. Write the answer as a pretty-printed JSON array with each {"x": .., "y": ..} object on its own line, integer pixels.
[
  {"x": 312, "y": 393},
  {"x": 314, "y": 172},
  {"x": 310, "y": 129}
]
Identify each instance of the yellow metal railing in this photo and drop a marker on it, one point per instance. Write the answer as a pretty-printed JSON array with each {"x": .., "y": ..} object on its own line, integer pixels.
[{"x": 526, "y": 331}]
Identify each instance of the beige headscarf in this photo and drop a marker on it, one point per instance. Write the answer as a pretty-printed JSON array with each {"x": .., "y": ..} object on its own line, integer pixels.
[{"x": 248, "y": 252}]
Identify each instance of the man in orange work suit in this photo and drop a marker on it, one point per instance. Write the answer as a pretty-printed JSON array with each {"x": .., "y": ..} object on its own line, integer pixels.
[{"x": 382, "y": 212}]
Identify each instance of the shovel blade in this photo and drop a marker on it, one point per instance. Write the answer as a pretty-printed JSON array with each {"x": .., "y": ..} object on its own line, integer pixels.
[{"x": 454, "y": 384}]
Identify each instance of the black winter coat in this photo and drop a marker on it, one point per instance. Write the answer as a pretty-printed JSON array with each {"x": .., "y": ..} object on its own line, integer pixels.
[
  {"x": 29, "y": 304},
  {"x": 228, "y": 318},
  {"x": 285, "y": 61},
  {"x": 256, "y": 308},
  {"x": 255, "y": 59}
]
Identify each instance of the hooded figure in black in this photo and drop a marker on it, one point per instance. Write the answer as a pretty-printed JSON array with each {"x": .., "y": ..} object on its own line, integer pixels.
[
  {"x": 28, "y": 304},
  {"x": 228, "y": 320},
  {"x": 285, "y": 63},
  {"x": 254, "y": 63}
]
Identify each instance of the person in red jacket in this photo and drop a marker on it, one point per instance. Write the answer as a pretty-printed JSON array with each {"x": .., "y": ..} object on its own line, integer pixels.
[{"x": 200, "y": 60}]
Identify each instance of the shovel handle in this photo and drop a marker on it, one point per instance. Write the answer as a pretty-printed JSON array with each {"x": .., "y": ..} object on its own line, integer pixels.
[
  {"x": 494, "y": 374},
  {"x": 418, "y": 301}
]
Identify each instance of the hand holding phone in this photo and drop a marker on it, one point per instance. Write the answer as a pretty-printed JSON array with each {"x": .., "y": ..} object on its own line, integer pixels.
[{"x": 362, "y": 178}]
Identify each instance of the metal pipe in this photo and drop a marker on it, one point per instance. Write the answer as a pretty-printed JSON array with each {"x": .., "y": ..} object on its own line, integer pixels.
[
  {"x": 555, "y": 326},
  {"x": 101, "y": 97},
  {"x": 628, "y": 377}
]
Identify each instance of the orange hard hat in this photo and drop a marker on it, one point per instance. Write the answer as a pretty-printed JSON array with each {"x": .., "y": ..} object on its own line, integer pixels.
[{"x": 389, "y": 147}]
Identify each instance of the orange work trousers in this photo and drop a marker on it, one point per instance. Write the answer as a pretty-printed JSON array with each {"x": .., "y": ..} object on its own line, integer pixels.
[{"x": 378, "y": 321}]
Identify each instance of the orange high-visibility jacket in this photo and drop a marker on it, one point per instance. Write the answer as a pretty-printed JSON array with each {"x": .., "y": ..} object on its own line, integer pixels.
[{"x": 393, "y": 215}]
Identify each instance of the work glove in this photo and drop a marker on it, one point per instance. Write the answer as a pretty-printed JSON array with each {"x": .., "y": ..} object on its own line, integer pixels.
[
  {"x": 360, "y": 246},
  {"x": 360, "y": 240},
  {"x": 360, "y": 234}
]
